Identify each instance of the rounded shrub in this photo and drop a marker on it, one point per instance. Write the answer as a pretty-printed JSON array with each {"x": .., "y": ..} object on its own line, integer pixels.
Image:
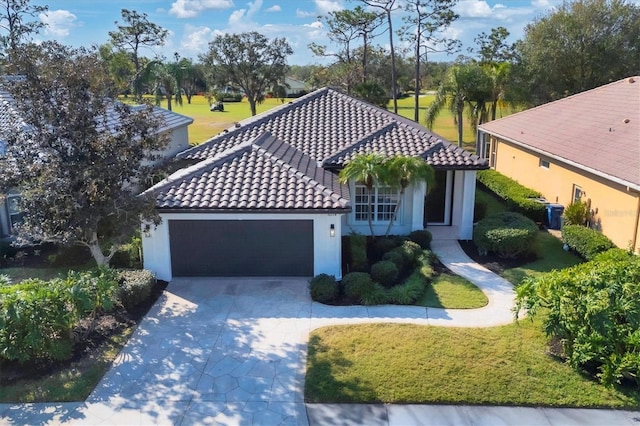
[
  {"x": 397, "y": 258},
  {"x": 323, "y": 288},
  {"x": 357, "y": 286},
  {"x": 506, "y": 234},
  {"x": 422, "y": 237},
  {"x": 576, "y": 213},
  {"x": 135, "y": 287},
  {"x": 412, "y": 250},
  {"x": 385, "y": 272}
]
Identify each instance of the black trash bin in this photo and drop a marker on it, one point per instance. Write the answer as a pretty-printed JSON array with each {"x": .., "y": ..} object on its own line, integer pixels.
[{"x": 554, "y": 216}]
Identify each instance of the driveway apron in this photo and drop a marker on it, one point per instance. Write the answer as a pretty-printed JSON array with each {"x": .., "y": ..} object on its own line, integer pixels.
[{"x": 213, "y": 351}]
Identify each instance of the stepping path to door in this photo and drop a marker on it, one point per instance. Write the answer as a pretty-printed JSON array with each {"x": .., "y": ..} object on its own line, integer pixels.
[{"x": 233, "y": 351}]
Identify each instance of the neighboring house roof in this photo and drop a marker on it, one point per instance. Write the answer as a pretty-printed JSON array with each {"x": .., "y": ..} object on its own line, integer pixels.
[
  {"x": 263, "y": 173},
  {"x": 597, "y": 130},
  {"x": 278, "y": 160},
  {"x": 10, "y": 119},
  {"x": 294, "y": 85}
]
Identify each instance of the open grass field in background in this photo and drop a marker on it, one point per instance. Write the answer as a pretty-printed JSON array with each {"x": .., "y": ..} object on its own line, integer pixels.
[{"x": 207, "y": 124}]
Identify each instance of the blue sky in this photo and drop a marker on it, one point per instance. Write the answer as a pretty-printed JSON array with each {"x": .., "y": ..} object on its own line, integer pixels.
[{"x": 193, "y": 23}]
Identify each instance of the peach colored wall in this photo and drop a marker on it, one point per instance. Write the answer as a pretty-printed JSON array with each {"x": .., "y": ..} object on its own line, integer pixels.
[{"x": 616, "y": 207}]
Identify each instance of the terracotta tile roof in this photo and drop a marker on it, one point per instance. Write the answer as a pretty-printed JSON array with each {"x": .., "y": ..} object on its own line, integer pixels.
[
  {"x": 597, "y": 130},
  {"x": 331, "y": 127},
  {"x": 263, "y": 174}
]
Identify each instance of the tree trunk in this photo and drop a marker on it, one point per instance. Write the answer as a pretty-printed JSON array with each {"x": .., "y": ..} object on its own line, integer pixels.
[
  {"x": 416, "y": 93},
  {"x": 96, "y": 252},
  {"x": 252, "y": 105},
  {"x": 494, "y": 107},
  {"x": 370, "y": 215},
  {"x": 460, "y": 129},
  {"x": 393, "y": 65},
  {"x": 169, "y": 102},
  {"x": 395, "y": 212}
]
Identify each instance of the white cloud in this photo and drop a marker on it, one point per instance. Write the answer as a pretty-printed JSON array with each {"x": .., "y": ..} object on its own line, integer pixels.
[
  {"x": 325, "y": 6},
  {"x": 274, "y": 8},
  {"x": 193, "y": 8},
  {"x": 316, "y": 24},
  {"x": 244, "y": 17},
  {"x": 473, "y": 9},
  {"x": 195, "y": 40},
  {"x": 58, "y": 22},
  {"x": 304, "y": 14}
]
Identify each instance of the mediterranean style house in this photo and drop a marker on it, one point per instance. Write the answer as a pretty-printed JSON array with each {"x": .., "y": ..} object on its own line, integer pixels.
[
  {"x": 584, "y": 147},
  {"x": 263, "y": 198}
]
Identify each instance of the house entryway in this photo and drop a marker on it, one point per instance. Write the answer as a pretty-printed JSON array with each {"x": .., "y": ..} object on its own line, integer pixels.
[{"x": 437, "y": 203}]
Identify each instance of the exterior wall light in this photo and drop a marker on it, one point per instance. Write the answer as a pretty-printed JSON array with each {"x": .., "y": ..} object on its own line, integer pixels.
[
  {"x": 332, "y": 230},
  {"x": 147, "y": 230}
]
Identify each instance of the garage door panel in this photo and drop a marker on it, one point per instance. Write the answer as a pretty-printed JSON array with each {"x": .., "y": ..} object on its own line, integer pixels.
[{"x": 241, "y": 247}]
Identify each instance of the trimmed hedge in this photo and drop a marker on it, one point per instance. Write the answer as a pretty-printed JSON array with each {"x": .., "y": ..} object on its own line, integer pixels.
[
  {"x": 324, "y": 288},
  {"x": 507, "y": 234},
  {"x": 135, "y": 287},
  {"x": 585, "y": 241},
  {"x": 517, "y": 197},
  {"x": 356, "y": 246}
]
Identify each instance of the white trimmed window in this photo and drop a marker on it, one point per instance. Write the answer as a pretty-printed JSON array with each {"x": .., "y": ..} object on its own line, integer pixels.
[
  {"x": 384, "y": 200},
  {"x": 13, "y": 209}
]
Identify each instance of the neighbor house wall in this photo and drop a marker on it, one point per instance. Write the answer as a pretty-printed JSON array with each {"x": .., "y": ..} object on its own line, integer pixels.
[
  {"x": 4, "y": 218},
  {"x": 615, "y": 206},
  {"x": 464, "y": 194},
  {"x": 327, "y": 249}
]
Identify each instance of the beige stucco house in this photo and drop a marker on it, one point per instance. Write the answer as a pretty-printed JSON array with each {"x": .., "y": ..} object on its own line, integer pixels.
[{"x": 586, "y": 146}]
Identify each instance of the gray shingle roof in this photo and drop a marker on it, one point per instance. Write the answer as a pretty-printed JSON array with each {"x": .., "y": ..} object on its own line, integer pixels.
[
  {"x": 263, "y": 174},
  {"x": 277, "y": 160}
]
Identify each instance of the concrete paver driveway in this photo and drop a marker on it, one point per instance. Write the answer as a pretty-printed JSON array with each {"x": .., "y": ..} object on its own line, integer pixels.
[{"x": 211, "y": 351}]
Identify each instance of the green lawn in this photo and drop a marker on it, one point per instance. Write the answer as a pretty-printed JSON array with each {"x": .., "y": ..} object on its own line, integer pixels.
[
  {"x": 399, "y": 363},
  {"x": 451, "y": 291},
  {"x": 208, "y": 124}
]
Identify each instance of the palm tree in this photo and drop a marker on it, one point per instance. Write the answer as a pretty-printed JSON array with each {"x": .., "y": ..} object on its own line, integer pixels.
[
  {"x": 368, "y": 170},
  {"x": 450, "y": 93},
  {"x": 403, "y": 171},
  {"x": 466, "y": 84},
  {"x": 168, "y": 83}
]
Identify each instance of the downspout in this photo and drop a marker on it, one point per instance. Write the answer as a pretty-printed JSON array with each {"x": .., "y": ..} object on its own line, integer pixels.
[{"x": 635, "y": 231}]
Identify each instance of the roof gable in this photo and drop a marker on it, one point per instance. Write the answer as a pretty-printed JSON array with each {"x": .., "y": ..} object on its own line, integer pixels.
[
  {"x": 263, "y": 173},
  {"x": 597, "y": 130}
]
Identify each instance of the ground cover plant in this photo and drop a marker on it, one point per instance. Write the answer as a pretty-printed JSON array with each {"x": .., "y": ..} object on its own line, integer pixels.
[
  {"x": 395, "y": 270},
  {"x": 399, "y": 363},
  {"x": 83, "y": 320}
]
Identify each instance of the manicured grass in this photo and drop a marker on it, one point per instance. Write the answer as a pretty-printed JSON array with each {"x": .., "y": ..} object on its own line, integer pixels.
[
  {"x": 17, "y": 274},
  {"x": 399, "y": 363},
  {"x": 452, "y": 292},
  {"x": 208, "y": 124},
  {"x": 73, "y": 383},
  {"x": 494, "y": 205},
  {"x": 551, "y": 256}
]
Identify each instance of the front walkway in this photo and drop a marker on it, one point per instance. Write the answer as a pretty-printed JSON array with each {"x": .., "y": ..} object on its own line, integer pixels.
[{"x": 233, "y": 351}]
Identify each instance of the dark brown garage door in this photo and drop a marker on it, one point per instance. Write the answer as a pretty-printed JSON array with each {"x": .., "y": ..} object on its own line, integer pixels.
[{"x": 228, "y": 248}]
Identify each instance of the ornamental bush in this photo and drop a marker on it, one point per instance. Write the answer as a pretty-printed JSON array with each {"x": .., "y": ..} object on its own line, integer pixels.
[
  {"x": 356, "y": 247},
  {"x": 135, "y": 287},
  {"x": 517, "y": 197},
  {"x": 507, "y": 234},
  {"x": 593, "y": 308},
  {"x": 576, "y": 213},
  {"x": 385, "y": 272},
  {"x": 38, "y": 318},
  {"x": 421, "y": 237},
  {"x": 324, "y": 288},
  {"x": 585, "y": 241},
  {"x": 357, "y": 286}
]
